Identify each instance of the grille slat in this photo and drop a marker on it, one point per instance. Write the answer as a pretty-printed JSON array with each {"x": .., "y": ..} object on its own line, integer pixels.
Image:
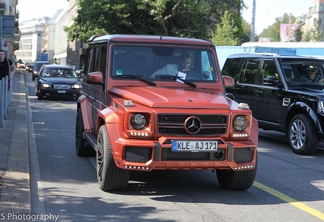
[{"x": 173, "y": 124}]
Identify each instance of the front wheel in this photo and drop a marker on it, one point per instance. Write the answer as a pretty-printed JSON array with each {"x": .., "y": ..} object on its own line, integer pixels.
[
  {"x": 236, "y": 180},
  {"x": 110, "y": 177},
  {"x": 302, "y": 136}
]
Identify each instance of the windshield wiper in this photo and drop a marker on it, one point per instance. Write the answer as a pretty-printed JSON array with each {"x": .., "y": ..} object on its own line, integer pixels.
[
  {"x": 176, "y": 77},
  {"x": 137, "y": 77}
]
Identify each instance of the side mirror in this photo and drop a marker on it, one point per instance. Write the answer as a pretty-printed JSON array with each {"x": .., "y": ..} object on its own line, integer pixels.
[
  {"x": 271, "y": 81},
  {"x": 95, "y": 77},
  {"x": 228, "y": 81}
]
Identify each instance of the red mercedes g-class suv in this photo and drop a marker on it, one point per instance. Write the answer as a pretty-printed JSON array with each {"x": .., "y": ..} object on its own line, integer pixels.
[{"x": 159, "y": 103}]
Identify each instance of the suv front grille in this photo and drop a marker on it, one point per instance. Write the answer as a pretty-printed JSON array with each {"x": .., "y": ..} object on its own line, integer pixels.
[{"x": 203, "y": 125}]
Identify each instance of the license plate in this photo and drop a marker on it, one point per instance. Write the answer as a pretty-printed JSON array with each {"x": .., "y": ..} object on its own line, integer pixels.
[
  {"x": 194, "y": 146},
  {"x": 61, "y": 91}
]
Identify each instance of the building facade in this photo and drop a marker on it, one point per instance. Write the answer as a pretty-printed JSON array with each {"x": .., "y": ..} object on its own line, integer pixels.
[
  {"x": 30, "y": 44},
  {"x": 75, "y": 50},
  {"x": 314, "y": 17},
  {"x": 10, "y": 43},
  {"x": 60, "y": 41},
  {"x": 54, "y": 38}
]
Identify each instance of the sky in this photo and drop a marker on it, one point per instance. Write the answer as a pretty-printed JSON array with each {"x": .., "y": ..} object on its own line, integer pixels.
[
  {"x": 268, "y": 10},
  {"x": 30, "y": 9}
]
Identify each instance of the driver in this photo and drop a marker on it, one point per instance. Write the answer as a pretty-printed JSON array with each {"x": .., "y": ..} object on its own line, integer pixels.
[{"x": 311, "y": 76}]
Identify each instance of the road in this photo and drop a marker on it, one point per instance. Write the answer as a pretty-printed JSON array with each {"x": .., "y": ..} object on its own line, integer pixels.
[{"x": 288, "y": 187}]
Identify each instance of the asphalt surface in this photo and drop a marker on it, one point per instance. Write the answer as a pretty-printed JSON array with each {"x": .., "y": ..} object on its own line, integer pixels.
[{"x": 15, "y": 185}]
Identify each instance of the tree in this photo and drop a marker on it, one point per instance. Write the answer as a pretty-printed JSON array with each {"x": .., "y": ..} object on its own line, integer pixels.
[
  {"x": 315, "y": 34},
  {"x": 273, "y": 31},
  {"x": 186, "y": 18},
  {"x": 245, "y": 36},
  {"x": 224, "y": 34},
  {"x": 110, "y": 16}
]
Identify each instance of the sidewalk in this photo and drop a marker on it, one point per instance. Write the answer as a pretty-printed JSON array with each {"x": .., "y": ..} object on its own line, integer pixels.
[{"x": 14, "y": 163}]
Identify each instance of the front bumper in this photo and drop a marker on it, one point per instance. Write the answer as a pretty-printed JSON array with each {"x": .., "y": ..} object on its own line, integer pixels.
[
  {"x": 157, "y": 155},
  {"x": 50, "y": 92}
]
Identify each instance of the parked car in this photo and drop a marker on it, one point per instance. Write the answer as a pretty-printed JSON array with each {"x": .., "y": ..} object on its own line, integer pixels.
[
  {"x": 21, "y": 65},
  {"x": 29, "y": 67},
  {"x": 36, "y": 67},
  {"x": 139, "y": 112},
  {"x": 57, "y": 81},
  {"x": 281, "y": 94}
]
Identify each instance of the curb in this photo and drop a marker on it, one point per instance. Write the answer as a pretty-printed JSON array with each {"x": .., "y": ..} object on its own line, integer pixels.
[{"x": 15, "y": 188}]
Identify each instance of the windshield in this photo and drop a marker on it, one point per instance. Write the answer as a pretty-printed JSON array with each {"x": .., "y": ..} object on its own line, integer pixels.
[
  {"x": 58, "y": 72},
  {"x": 303, "y": 71},
  {"x": 159, "y": 63}
]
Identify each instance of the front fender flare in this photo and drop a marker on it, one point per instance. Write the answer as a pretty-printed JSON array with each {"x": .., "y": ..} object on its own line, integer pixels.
[{"x": 301, "y": 107}]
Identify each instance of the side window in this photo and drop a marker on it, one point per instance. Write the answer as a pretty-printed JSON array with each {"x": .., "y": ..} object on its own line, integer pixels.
[
  {"x": 103, "y": 62},
  {"x": 231, "y": 67},
  {"x": 97, "y": 59},
  {"x": 207, "y": 65},
  {"x": 269, "y": 70},
  {"x": 89, "y": 64},
  {"x": 249, "y": 73}
]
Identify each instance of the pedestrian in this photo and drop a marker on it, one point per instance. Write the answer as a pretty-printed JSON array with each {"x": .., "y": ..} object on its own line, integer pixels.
[{"x": 7, "y": 68}]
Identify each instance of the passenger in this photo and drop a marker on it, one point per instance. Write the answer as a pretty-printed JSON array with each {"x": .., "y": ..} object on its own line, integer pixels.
[{"x": 311, "y": 75}]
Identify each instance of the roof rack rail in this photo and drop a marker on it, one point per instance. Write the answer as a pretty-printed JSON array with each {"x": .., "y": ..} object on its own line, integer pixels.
[{"x": 93, "y": 37}]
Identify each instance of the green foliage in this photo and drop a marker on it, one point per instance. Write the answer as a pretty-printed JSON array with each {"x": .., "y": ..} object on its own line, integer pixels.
[
  {"x": 185, "y": 18},
  {"x": 315, "y": 34},
  {"x": 224, "y": 34},
  {"x": 245, "y": 35}
]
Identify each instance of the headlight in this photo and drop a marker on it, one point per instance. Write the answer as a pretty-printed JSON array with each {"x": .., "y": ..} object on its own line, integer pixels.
[
  {"x": 76, "y": 86},
  {"x": 138, "y": 121},
  {"x": 45, "y": 85},
  {"x": 240, "y": 123}
]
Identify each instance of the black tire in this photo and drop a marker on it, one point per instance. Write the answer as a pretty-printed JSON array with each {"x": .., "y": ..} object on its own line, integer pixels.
[
  {"x": 302, "y": 135},
  {"x": 80, "y": 144},
  {"x": 110, "y": 177},
  {"x": 236, "y": 180},
  {"x": 40, "y": 97}
]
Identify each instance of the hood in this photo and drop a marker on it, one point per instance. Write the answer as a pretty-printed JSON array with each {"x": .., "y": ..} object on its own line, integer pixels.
[
  {"x": 59, "y": 80},
  {"x": 173, "y": 97}
]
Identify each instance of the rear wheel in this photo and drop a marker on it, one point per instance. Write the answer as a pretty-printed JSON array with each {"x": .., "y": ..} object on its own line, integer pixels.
[
  {"x": 80, "y": 146},
  {"x": 302, "y": 135},
  {"x": 110, "y": 177}
]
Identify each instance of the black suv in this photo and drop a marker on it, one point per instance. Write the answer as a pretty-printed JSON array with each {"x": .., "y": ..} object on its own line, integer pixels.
[{"x": 285, "y": 93}]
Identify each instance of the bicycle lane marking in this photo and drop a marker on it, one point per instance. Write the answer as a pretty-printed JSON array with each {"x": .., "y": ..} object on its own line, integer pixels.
[{"x": 289, "y": 200}]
